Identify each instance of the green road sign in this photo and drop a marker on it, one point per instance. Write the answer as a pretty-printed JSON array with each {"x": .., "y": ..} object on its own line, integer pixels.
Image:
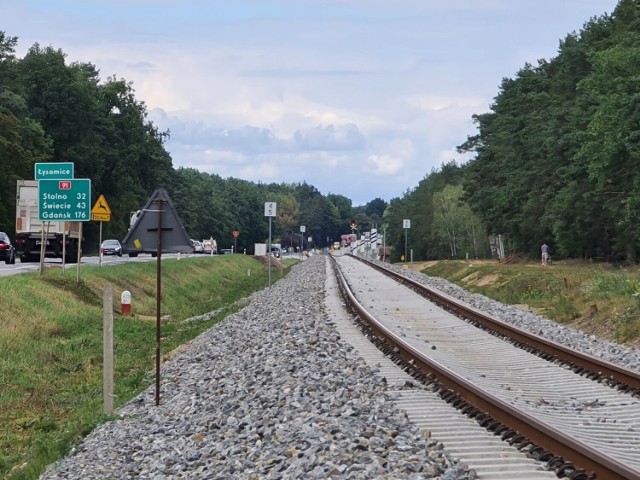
[
  {"x": 64, "y": 200},
  {"x": 50, "y": 170}
]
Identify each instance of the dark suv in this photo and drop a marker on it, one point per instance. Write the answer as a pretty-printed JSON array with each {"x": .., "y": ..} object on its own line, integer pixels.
[{"x": 6, "y": 249}]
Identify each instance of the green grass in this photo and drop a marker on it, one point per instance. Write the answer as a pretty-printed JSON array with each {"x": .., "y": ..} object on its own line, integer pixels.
[
  {"x": 599, "y": 299},
  {"x": 51, "y": 344},
  {"x": 611, "y": 286}
]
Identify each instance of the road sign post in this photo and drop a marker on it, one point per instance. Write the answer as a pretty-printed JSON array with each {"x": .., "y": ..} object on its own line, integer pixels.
[
  {"x": 270, "y": 209},
  {"x": 64, "y": 200},
  {"x": 406, "y": 224},
  {"x": 236, "y": 234},
  {"x": 53, "y": 171},
  {"x": 101, "y": 212}
]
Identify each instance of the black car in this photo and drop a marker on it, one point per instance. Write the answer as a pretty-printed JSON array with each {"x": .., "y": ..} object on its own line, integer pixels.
[
  {"x": 111, "y": 247},
  {"x": 6, "y": 249}
]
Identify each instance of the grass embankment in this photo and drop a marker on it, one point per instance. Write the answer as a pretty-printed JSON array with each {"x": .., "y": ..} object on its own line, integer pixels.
[
  {"x": 51, "y": 343},
  {"x": 598, "y": 299}
]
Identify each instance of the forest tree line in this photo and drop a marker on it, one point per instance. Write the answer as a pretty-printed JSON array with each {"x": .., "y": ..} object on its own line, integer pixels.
[
  {"x": 555, "y": 159},
  {"x": 51, "y": 111}
]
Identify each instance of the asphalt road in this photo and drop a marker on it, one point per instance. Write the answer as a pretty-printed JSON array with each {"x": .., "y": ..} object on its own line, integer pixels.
[{"x": 18, "y": 267}]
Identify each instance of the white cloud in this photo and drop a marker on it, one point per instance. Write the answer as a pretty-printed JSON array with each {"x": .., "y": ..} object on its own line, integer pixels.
[
  {"x": 263, "y": 172},
  {"x": 219, "y": 162},
  {"x": 356, "y": 97},
  {"x": 385, "y": 164},
  {"x": 331, "y": 137},
  {"x": 433, "y": 103}
]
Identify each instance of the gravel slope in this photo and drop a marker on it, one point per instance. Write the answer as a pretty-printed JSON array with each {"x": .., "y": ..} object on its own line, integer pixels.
[{"x": 271, "y": 392}]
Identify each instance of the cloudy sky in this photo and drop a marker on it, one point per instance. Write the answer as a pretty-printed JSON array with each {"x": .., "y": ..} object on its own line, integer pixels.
[{"x": 361, "y": 98}]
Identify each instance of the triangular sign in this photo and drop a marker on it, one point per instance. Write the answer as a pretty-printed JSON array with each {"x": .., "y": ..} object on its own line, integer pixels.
[
  {"x": 159, "y": 212},
  {"x": 101, "y": 206}
]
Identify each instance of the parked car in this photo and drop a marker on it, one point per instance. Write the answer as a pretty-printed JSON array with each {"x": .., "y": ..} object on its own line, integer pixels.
[
  {"x": 226, "y": 251},
  {"x": 7, "y": 251},
  {"x": 197, "y": 246},
  {"x": 111, "y": 247},
  {"x": 209, "y": 246}
]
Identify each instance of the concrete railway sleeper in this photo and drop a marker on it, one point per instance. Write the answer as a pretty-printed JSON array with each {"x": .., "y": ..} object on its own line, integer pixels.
[
  {"x": 591, "y": 367},
  {"x": 537, "y": 405}
]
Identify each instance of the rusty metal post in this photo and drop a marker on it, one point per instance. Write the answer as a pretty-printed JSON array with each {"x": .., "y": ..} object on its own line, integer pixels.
[{"x": 158, "y": 297}]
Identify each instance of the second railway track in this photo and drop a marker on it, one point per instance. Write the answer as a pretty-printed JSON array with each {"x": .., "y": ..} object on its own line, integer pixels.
[{"x": 587, "y": 428}]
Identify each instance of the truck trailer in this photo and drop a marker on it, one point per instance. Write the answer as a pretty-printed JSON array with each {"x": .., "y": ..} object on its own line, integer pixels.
[{"x": 31, "y": 232}]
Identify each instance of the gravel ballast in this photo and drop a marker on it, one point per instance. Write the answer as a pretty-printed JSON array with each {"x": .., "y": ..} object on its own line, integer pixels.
[
  {"x": 273, "y": 392},
  {"x": 270, "y": 392}
]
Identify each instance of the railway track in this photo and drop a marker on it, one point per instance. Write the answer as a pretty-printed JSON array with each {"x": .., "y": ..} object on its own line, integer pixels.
[
  {"x": 583, "y": 425},
  {"x": 588, "y": 365}
]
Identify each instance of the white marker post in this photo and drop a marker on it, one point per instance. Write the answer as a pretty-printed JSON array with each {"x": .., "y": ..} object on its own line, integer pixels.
[{"x": 125, "y": 302}]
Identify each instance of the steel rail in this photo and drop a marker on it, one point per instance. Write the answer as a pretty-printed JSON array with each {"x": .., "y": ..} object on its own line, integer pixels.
[
  {"x": 628, "y": 379},
  {"x": 544, "y": 435}
]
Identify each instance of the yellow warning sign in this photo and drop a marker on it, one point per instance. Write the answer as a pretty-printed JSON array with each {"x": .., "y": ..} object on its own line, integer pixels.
[
  {"x": 100, "y": 217},
  {"x": 101, "y": 211},
  {"x": 101, "y": 206}
]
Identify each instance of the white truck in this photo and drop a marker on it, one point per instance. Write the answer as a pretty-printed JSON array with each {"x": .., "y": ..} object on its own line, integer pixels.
[
  {"x": 210, "y": 246},
  {"x": 260, "y": 249},
  {"x": 31, "y": 232},
  {"x": 133, "y": 218}
]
